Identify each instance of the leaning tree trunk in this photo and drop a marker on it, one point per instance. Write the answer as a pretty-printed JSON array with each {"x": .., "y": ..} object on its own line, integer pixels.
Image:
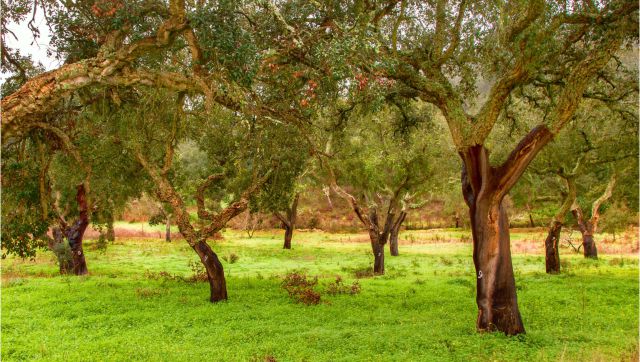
[
  {"x": 394, "y": 232},
  {"x": 484, "y": 188},
  {"x": 551, "y": 244},
  {"x": 215, "y": 271}
]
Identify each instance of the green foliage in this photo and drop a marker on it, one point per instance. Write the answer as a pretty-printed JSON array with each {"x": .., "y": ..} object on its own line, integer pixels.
[{"x": 24, "y": 224}]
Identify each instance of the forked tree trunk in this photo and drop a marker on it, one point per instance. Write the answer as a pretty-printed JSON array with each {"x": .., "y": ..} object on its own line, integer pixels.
[
  {"x": 378, "y": 237},
  {"x": 394, "y": 232},
  {"x": 588, "y": 227},
  {"x": 289, "y": 221},
  {"x": 484, "y": 188},
  {"x": 215, "y": 271},
  {"x": 551, "y": 244}
]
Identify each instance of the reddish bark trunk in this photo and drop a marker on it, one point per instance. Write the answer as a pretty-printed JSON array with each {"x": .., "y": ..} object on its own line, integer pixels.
[
  {"x": 551, "y": 244},
  {"x": 215, "y": 271},
  {"x": 484, "y": 188}
]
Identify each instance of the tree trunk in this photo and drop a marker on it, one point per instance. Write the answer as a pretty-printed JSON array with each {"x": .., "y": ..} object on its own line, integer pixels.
[
  {"x": 393, "y": 242},
  {"x": 589, "y": 246},
  {"x": 111, "y": 234},
  {"x": 457, "y": 217},
  {"x": 531, "y": 223},
  {"x": 586, "y": 230},
  {"x": 215, "y": 271},
  {"x": 394, "y": 232},
  {"x": 75, "y": 236},
  {"x": 484, "y": 188},
  {"x": 167, "y": 232},
  {"x": 288, "y": 234},
  {"x": 378, "y": 256},
  {"x": 551, "y": 244},
  {"x": 75, "y": 233},
  {"x": 289, "y": 221},
  {"x": 62, "y": 253}
]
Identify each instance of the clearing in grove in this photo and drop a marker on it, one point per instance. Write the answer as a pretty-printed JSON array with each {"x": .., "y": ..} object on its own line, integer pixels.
[{"x": 132, "y": 307}]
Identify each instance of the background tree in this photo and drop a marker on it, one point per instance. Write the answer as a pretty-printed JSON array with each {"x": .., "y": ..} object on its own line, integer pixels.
[
  {"x": 384, "y": 167},
  {"x": 231, "y": 159}
]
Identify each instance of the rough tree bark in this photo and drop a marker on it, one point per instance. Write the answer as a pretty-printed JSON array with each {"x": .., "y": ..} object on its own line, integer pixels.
[
  {"x": 378, "y": 237},
  {"x": 289, "y": 221},
  {"x": 215, "y": 271},
  {"x": 393, "y": 234},
  {"x": 75, "y": 232},
  {"x": 589, "y": 227}
]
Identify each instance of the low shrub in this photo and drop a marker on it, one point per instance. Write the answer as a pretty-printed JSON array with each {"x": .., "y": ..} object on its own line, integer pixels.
[
  {"x": 338, "y": 287},
  {"x": 301, "y": 288}
]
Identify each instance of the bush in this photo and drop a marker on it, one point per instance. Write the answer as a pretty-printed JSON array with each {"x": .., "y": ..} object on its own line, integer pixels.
[
  {"x": 301, "y": 288},
  {"x": 338, "y": 287}
]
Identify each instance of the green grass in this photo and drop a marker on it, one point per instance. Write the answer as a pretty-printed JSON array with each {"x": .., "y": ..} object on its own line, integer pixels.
[{"x": 423, "y": 309}]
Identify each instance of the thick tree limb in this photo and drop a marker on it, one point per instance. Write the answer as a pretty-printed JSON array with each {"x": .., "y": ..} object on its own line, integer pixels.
[
  {"x": 595, "y": 208},
  {"x": 202, "y": 211}
]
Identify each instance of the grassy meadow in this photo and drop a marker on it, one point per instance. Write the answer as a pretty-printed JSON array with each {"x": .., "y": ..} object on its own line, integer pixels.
[{"x": 423, "y": 309}]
